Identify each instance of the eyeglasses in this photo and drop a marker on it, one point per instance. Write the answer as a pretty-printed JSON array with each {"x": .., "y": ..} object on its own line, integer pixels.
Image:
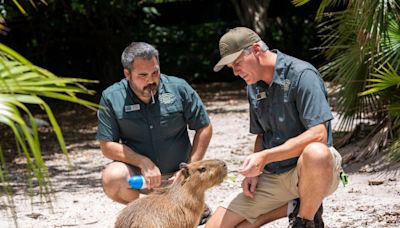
[{"x": 239, "y": 59}]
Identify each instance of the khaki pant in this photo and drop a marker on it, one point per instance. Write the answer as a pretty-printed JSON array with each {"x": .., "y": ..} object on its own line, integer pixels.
[{"x": 273, "y": 191}]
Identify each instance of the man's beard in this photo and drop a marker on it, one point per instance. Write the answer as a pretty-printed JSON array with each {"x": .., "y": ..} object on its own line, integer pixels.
[
  {"x": 152, "y": 89},
  {"x": 147, "y": 91}
]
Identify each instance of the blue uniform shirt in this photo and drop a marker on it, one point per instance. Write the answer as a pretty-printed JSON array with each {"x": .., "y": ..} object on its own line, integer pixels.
[
  {"x": 157, "y": 131},
  {"x": 295, "y": 101}
]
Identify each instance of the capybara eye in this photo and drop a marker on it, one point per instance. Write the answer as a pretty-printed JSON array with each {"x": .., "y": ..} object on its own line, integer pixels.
[{"x": 202, "y": 169}]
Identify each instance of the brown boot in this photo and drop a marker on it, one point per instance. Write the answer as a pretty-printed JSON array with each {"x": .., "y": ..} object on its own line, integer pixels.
[
  {"x": 318, "y": 222},
  {"x": 205, "y": 215},
  {"x": 302, "y": 223}
]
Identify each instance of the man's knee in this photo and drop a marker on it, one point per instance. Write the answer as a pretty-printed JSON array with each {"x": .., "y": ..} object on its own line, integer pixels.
[
  {"x": 223, "y": 217},
  {"x": 115, "y": 181},
  {"x": 318, "y": 154},
  {"x": 114, "y": 173}
]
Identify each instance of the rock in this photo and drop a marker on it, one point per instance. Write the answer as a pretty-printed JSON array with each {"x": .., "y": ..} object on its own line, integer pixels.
[{"x": 375, "y": 182}]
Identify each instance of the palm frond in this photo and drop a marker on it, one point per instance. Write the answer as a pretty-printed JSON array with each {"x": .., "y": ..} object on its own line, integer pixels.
[
  {"x": 3, "y": 28},
  {"x": 10, "y": 108},
  {"x": 20, "y": 8},
  {"x": 394, "y": 153},
  {"x": 300, "y": 2},
  {"x": 324, "y": 5},
  {"x": 22, "y": 83},
  {"x": 362, "y": 46},
  {"x": 390, "y": 45},
  {"x": 382, "y": 79}
]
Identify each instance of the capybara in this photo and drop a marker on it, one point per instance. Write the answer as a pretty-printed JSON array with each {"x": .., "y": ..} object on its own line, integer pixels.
[{"x": 179, "y": 205}]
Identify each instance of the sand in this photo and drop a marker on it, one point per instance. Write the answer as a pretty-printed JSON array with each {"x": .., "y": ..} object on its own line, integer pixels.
[{"x": 78, "y": 199}]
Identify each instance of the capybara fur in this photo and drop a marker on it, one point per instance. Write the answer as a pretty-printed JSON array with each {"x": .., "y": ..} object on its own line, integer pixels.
[{"x": 179, "y": 205}]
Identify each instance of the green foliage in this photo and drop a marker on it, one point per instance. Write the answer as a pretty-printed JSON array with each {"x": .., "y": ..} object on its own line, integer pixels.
[
  {"x": 394, "y": 153},
  {"x": 87, "y": 37},
  {"x": 322, "y": 7},
  {"x": 390, "y": 45},
  {"x": 23, "y": 84},
  {"x": 182, "y": 49},
  {"x": 76, "y": 37},
  {"x": 383, "y": 79},
  {"x": 299, "y": 2},
  {"x": 352, "y": 45},
  {"x": 361, "y": 42}
]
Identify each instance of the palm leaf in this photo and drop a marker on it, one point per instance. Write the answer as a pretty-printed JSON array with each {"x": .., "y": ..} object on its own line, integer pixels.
[
  {"x": 9, "y": 107},
  {"x": 324, "y": 5},
  {"x": 390, "y": 45},
  {"x": 23, "y": 83},
  {"x": 383, "y": 79},
  {"x": 357, "y": 42},
  {"x": 300, "y": 2}
]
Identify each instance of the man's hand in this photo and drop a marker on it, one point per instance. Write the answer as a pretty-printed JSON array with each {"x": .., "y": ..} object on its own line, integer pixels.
[
  {"x": 252, "y": 165},
  {"x": 172, "y": 179},
  {"x": 151, "y": 173},
  {"x": 249, "y": 185}
]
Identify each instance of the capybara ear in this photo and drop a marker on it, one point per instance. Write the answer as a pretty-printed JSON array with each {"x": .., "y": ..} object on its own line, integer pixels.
[
  {"x": 184, "y": 169},
  {"x": 183, "y": 165}
]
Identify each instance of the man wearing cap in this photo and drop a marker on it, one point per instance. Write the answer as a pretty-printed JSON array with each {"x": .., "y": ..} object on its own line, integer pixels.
[
  {"x": 293, "y": 154},
  {"x": 143, "y": 125}
]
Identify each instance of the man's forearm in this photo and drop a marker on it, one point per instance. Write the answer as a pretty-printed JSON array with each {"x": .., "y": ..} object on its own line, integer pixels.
[
  {"x": 120, "y": 152},
  {"x": 201, "y": 141},
  {"x": 295, "y": 146}
]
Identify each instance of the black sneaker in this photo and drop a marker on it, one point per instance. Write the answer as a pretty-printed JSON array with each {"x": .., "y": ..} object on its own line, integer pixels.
[
  {"x": 206, "y": 215},
  {"x": 318, "y": 222},
  {"x": 302, "y": 223}
]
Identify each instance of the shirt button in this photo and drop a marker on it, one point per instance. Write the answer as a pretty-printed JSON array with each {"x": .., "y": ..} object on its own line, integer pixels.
[{"x": 151, "y": 126}]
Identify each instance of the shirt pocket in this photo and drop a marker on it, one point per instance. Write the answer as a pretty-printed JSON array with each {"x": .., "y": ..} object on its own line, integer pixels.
[
  {"x": 278, "y": 115},
  {"x": 171, "y": 115},
  {"x": 131, "y": 124},
  {"x": 284, "y": 114},
  {"x": 286, "y": 119},
  {"x": 263, "y": 111}
]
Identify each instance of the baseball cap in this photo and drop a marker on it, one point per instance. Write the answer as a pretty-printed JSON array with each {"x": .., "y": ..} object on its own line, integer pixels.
[{"x": 232, "y": 44}]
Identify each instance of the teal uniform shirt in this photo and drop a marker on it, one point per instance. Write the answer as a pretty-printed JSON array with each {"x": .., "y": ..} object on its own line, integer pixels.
[
  {"x": 295, "y": 101},
  {"x": 157, "y": 131}
]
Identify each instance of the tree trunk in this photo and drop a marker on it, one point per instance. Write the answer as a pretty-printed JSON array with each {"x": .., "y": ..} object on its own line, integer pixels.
[{"x": 253, "y": 14}]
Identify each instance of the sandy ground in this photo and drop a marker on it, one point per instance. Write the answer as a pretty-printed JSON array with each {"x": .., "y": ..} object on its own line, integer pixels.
[{"x": 78, "y": 199}]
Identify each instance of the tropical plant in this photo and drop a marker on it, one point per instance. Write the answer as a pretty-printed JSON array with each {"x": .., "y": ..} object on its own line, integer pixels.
[
  {"x": 362, "y": 47},
  {"x": 23, "y": 83},
  {"x": 23, "y": 86},
  {"x": 386, "y": 82}
]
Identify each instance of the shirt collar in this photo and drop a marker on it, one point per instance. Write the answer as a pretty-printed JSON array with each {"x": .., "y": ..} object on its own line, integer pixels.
[
  {"x": 129, "y": 90},
  {"x": 280, "y": 66},
  {"x": 279, "y": 72},
  {"x": 161, "y": 88}
]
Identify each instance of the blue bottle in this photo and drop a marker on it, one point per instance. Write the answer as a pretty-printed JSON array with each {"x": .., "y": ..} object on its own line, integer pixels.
[{"x": 137, "y": 182}]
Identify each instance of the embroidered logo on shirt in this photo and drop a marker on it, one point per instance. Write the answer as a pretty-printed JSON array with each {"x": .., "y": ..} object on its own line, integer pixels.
[
  {"x": 166, "y": 98},
  {"x": 130, "y": 108}
]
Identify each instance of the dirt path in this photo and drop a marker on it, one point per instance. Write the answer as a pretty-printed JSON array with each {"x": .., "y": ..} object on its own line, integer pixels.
[{"x": 80, "y": 202}]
